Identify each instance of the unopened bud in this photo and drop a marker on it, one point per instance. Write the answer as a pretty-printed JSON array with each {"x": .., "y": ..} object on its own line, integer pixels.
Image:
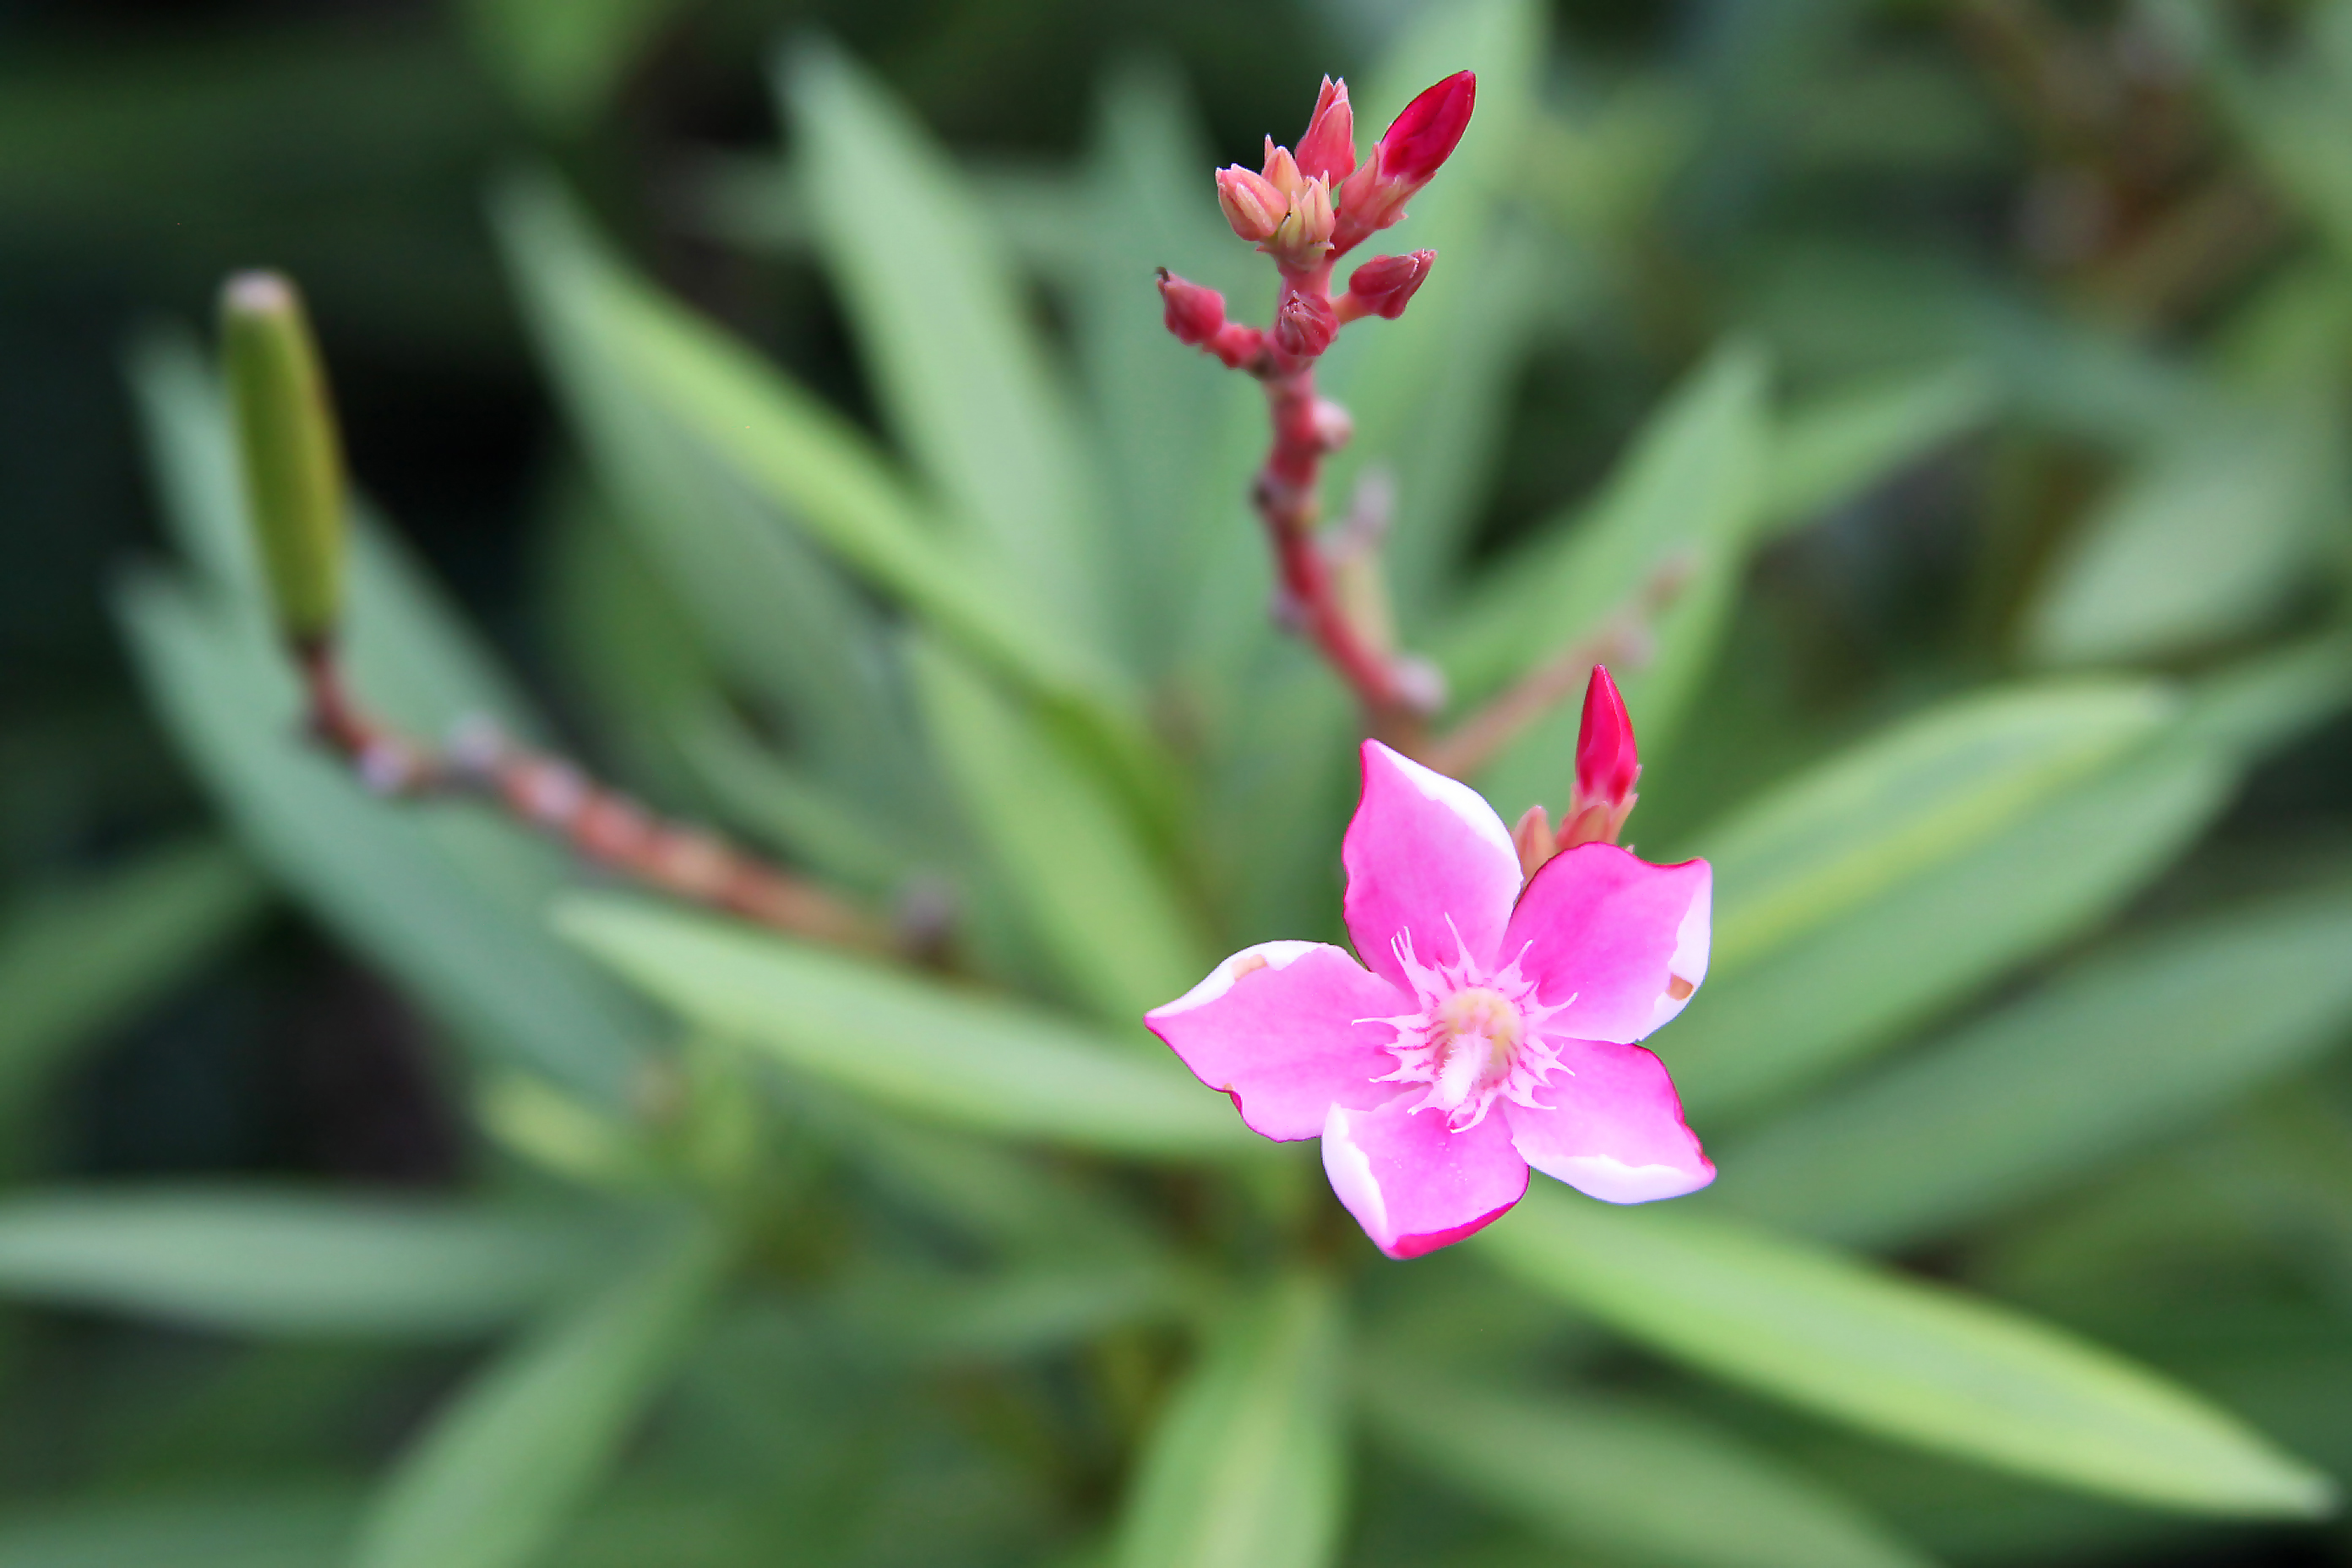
[
  {"x": 1305, "y": 325},
  {"x": 1194, "y": 314},
  {"x": 1384, "y": 285},
  {"x": 1282, "y": 169},
  {"x": 1607, "y": 764},
  {"x": 1419, "y": 141},
  {"x": 1607, "y": 767},
  {"x": 1252, "y": 205},
  {"x": 292, "y": 459},
  {"x": 1327, "y": 151},
  {"x": 1415, "y": 144}
]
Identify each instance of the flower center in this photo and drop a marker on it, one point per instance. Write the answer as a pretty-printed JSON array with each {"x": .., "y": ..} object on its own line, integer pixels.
[
  {"x": 1472, "y": 1039},
  {"x": 1475, "y": 1039}
]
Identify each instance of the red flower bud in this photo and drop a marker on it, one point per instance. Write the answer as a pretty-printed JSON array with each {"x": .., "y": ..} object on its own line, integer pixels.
[
  {"x": 1305, "y": 325},
  {"x": 1606, "y": 761},
  {"x": 1382, "y": 286},
  {"x": 1252, "y": 205},
  {"x": 1421, "y": 139},
  {"x": 1194, "y": 314},
  {"x": 1328, "y": 148}
]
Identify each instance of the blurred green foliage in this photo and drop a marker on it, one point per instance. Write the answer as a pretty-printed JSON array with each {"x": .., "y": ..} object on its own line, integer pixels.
[{"x": 782, "y": 391}]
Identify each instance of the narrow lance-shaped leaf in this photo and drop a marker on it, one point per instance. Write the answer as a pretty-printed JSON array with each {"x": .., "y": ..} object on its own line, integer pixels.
[
  {"x": 1900, "y": 957},
  {"x": 909, "y": 1044},
  {"x": 1897, "y": 1357},
  {"x": 280, "y": 1262},
  {"x": 2152, "y": 1036},
  {"x": 262, "y": 1526},
  {"x": 1621, "y": 1475},
  {"x": 1101, "y": 904},
  {"x": 784, "y": 621},
  {"x": 502, "y": 1470},
  {"x": 1834, "y": 447},
  {"x": 79, "y": 960},
  {"x": 1907, "y": 800},
  {"x": 2203, "y": 538},
  {"x": 944, "y": 329},
  {"x": 1246, "y": 1468},
  {"x": 1657, "y": 562}
]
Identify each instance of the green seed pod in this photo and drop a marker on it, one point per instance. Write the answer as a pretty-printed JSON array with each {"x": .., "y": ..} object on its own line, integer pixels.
[{"x": 292, "y": 456}]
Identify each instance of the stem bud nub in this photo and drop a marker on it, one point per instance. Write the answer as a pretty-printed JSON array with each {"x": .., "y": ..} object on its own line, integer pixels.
[{"x": 290, "y": 453}]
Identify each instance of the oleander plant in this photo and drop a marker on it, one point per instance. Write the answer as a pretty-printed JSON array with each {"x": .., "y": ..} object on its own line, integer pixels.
[{"x": 1659, "y": 877}]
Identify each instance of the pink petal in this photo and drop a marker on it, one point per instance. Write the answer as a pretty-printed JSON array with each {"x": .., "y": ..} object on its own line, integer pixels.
[
  {"x": 1424, "y": 850},
  {"x": 1615, "y": 1131},
  {"x": 1413, "y": 1186},
  {"x": 1628, "y": 940},
  {"x": 1276, "y": 1026}
]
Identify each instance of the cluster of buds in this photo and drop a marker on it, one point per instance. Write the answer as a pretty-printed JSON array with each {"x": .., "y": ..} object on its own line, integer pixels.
[
  {"x": 1307, "y": 209},
  {"x": 1607, "y": 767}
]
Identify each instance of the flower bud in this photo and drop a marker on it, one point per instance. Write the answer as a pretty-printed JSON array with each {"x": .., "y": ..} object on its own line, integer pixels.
[
  {"x": 1421, "y": 139},
  {"x": 1327, "y": 151},
  {"x": 1282, "y": 169},
  {"x": 1410, "y": 151},
  {"x": 291, "y": 457},
  {"x": 1383, "y": 286},
  {"x": 1194, "y": 314},
  {"x": 1252, "y": 205},
  {"x": 1306, "y": 231},
  {"x": 1606, "y": 761},
  {"x": 1606, "y": 767},
  {"x": 1305, "y": 325}
]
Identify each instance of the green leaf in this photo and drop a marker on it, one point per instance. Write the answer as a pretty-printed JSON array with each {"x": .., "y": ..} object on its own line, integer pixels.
[
  {"x": 259, "y": 1260},
  {"x": 281, "y": 1527},
  {"x": 77, "y": 961},
  {"x": 1892, "y": 962},
  {"x": 1678, "y": 509},
  {"x": 2201, "y": 540},
  {"x": 1246, "y": 1468},
  {"x": 910, "y": 1044},
  {"x": 1895, "y": 1356},
  {"x": 1087, "y": 885},
  {"x": 561, "y": 59},
  {"x": 437, "y": 901},
  {"x": 500, "y": 1472},
  {"x": 1844, "y": 442},
  {"x": 1904, "y": 802},
  {"x": 784, "y": 621},
  {"x": 783, "y": 443},
  {"x": 1623, "y": 1475},
  {"x": 947, "y": 336},
  {"x": 2155, "y": 1036}
]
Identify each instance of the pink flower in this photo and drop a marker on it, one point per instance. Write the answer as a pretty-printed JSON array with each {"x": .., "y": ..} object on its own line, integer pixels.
[{"x": 1491, "y": 1027}]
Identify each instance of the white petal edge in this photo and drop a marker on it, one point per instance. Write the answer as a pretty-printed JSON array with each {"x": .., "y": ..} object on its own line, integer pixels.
[
  {"x": 1350, "y": 1172},
  {"x": 1692, "y": 939},
  {"x": 1220, "y": 980},
  {"x": 1452, "y": 794},
  {"x": 1611, "y": 1181}
]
